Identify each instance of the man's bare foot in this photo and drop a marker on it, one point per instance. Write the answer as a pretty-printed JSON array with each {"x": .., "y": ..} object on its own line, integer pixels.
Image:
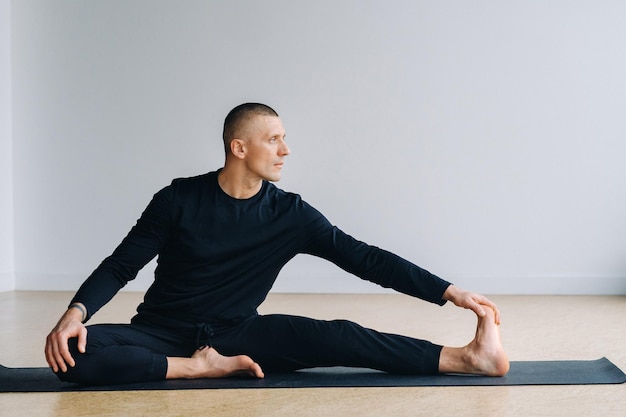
[
  {"x": 214, "y": 365},
  {"x": 209, "y": 363},
  {"x": 484, "y": 355}
]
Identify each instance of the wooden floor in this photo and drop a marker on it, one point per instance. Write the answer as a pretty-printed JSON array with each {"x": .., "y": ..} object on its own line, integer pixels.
[{"x": 533, "y": 328}]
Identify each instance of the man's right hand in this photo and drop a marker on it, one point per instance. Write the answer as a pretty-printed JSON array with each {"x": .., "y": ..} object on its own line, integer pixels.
[{"x": 57, "y": 352}]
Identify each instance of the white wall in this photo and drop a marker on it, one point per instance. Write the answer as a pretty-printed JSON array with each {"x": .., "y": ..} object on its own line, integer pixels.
[
  {"x": 482, "y": 140},
  {"x": 7, "y": 279}
]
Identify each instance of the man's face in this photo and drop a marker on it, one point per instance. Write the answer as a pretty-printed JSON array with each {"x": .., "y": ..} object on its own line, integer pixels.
[{"x": 265, "y": 147}]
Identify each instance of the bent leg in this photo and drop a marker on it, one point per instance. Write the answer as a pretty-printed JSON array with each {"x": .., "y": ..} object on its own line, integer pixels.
[
  {"x": 115, "y": 365},
  {"x": 118, "y": 354},
  {"x": 121, "y": 354}
]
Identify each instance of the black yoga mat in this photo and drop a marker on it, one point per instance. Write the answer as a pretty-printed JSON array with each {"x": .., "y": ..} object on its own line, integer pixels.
[{"x": 601, "y": 371}]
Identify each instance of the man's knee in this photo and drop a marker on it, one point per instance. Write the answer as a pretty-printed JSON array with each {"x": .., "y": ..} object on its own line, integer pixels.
[
  {"x": 114, "y": 365},
  {"x": 77, "y": 373}
]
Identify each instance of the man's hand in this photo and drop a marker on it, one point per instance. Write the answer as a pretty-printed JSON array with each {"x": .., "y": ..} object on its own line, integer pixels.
[
  {"x": 471, "y": 301},
  {"x": 57, "y": 351}
]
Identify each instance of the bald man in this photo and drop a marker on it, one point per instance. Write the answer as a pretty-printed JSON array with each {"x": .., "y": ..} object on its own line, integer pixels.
[{"x": 221, "y": 239}]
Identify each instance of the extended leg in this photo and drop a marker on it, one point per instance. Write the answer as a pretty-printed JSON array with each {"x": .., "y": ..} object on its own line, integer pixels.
[{"x": 283, "y": 343}]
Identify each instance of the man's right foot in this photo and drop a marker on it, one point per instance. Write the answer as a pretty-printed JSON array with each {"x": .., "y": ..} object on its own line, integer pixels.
[{"x": 211, "y": 364}]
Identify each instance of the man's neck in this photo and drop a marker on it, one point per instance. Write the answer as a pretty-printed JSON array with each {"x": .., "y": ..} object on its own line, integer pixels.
[{"x": 238, "y": 186}]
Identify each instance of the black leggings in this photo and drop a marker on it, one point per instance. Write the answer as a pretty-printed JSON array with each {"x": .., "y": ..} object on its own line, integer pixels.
[{"x": 137, "y": 352}]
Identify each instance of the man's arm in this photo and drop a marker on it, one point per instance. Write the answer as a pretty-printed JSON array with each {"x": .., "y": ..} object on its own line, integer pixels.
[
  {"x": 373, "y": 264},
  {"x": 141, "y": 245},
  {"x": 388, "y": 270},
  {"x": 70, "y": 325}
]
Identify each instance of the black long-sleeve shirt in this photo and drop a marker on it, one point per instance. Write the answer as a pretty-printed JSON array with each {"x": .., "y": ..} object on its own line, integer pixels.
[{"x": 218, "y": 256}]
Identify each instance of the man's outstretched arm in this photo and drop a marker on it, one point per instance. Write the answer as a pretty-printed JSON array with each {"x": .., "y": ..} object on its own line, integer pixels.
[{"x": 70, "y": 325}]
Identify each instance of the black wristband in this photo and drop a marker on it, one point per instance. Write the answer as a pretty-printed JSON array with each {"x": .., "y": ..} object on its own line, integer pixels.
[{"x": 81, "y": 308}]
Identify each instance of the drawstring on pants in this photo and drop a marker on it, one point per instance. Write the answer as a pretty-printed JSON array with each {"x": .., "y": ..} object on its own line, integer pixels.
[{"x": 204, "y": 334}]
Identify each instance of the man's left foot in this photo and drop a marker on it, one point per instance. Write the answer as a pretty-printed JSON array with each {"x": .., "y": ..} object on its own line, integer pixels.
[{"x": 485, "y": 354}]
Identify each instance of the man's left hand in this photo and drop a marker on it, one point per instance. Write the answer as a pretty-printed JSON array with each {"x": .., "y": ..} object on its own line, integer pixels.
[{"x": 471, "y": 301}]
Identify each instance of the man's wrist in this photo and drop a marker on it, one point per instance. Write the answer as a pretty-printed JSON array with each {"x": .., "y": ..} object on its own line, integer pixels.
[
  {"x": 448, "y": 294},
  {"x": 81, "y": 308}
]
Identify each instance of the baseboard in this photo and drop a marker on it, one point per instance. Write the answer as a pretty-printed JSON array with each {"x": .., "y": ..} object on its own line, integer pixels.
[
  {"x": 70, "y": 282},
  {"x": 546, "y": 285},
  {"x": 312, "y": 281}
]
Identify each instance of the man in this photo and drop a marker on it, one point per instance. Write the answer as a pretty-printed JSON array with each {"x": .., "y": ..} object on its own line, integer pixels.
[{"x": 221, "y": 240}]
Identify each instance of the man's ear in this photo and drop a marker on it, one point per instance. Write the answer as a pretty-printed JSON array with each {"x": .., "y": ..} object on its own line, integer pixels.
[{"x": 238, "y": 148}]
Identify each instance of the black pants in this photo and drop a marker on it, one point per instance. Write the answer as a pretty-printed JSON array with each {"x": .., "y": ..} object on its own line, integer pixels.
[{"x": 136, "y": 352}]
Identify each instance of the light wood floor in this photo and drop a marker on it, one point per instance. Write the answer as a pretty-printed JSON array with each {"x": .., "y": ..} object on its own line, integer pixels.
[{"x": 533, "y": 328}]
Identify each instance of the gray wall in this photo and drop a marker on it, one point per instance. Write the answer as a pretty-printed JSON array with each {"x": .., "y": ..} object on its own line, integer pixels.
[
  {"x": 7, "y": 279},
  {"x": 483, "y": 140}
]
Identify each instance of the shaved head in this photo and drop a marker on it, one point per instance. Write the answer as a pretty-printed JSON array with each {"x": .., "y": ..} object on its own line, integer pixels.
[{"x": 238, "y": 119}]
